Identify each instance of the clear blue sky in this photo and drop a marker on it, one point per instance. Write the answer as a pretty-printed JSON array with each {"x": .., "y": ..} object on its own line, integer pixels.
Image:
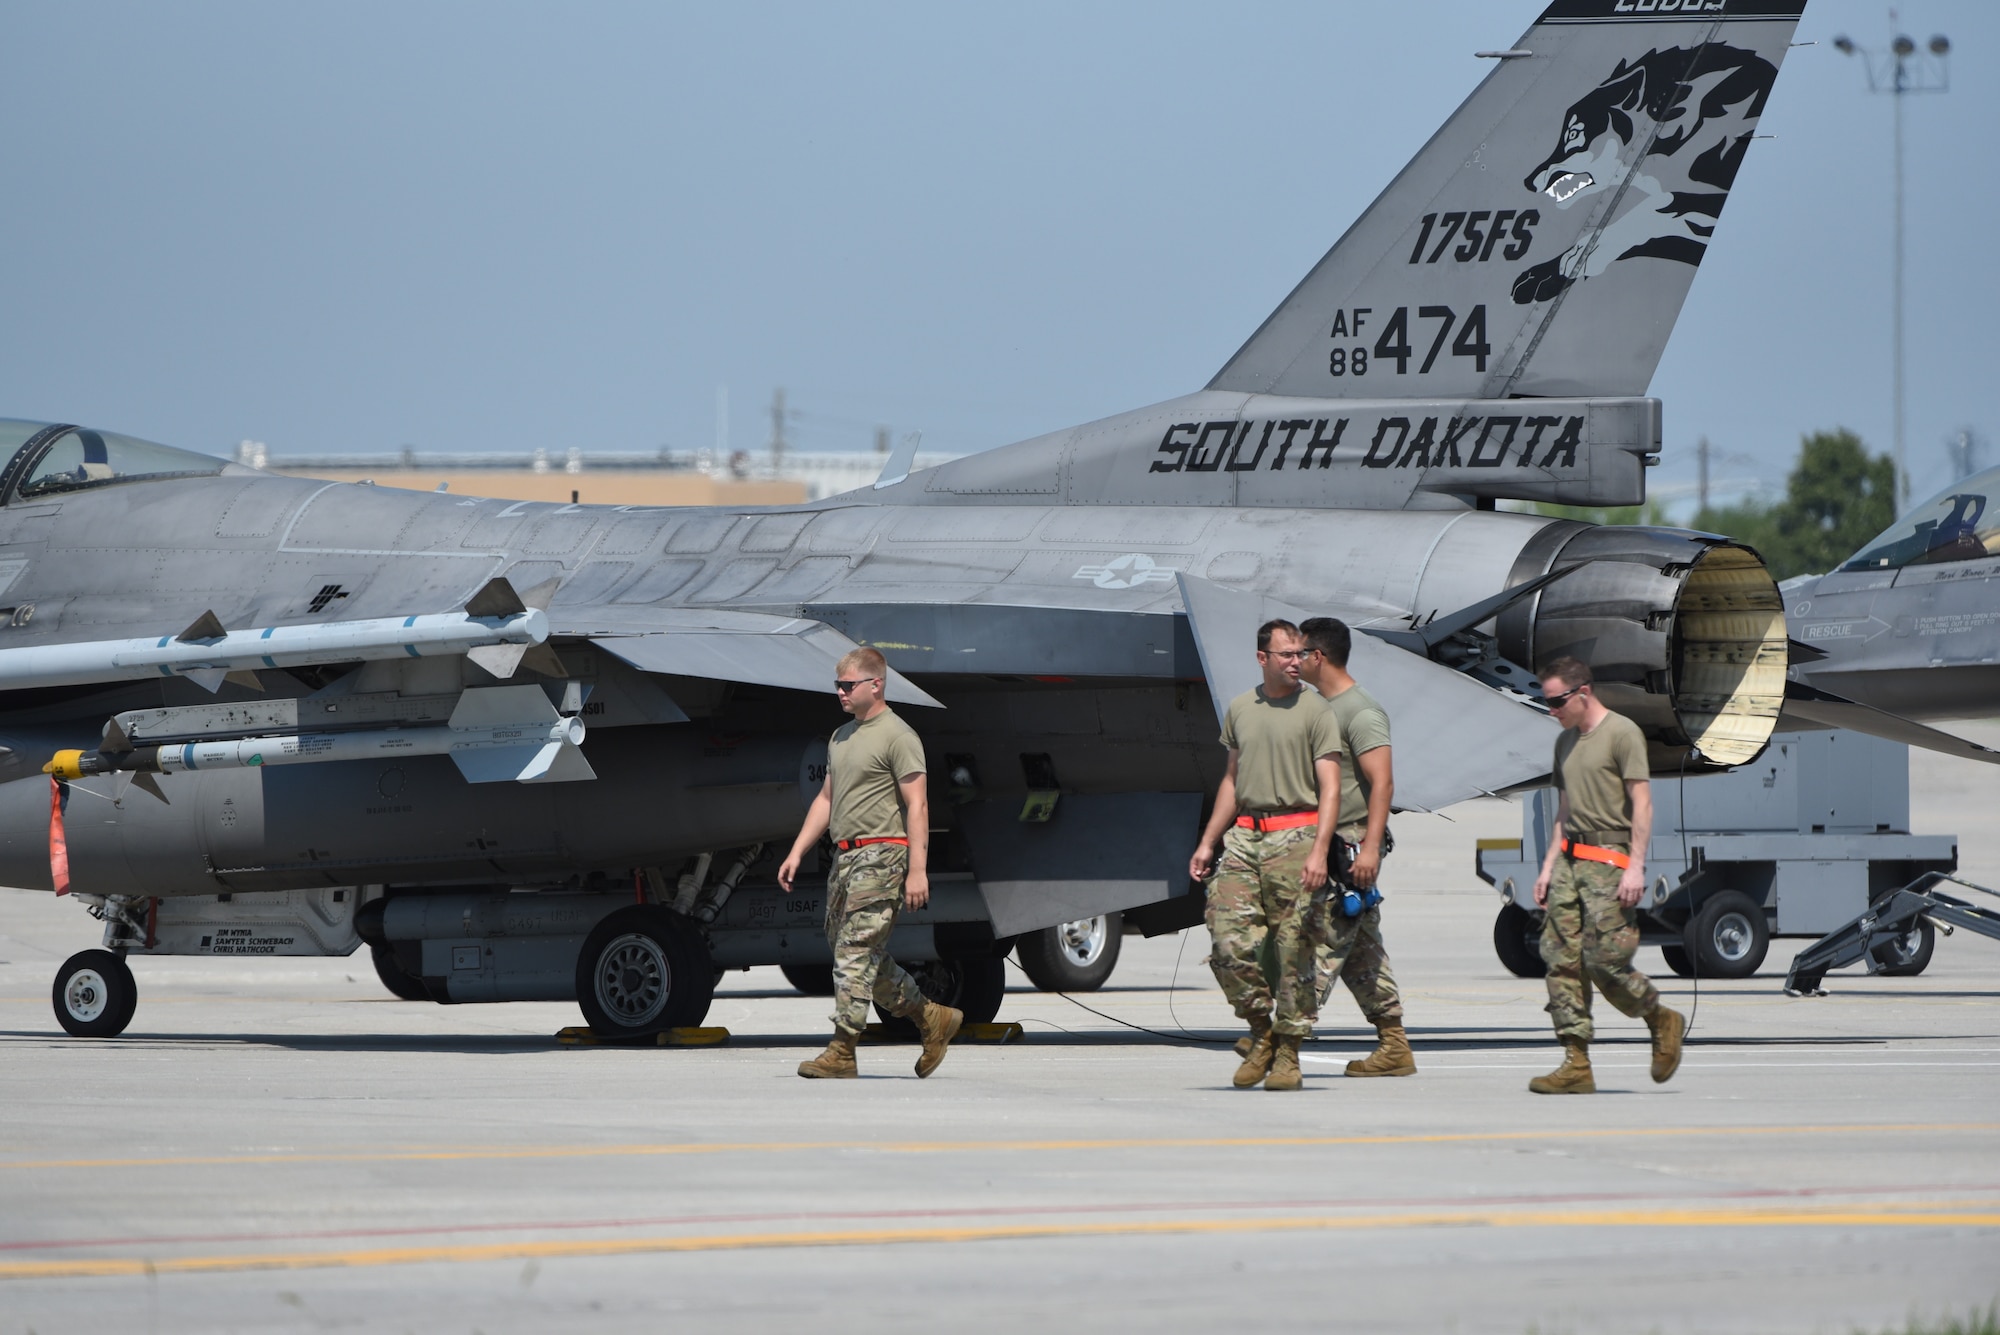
[{"x": 500, "y": 226}]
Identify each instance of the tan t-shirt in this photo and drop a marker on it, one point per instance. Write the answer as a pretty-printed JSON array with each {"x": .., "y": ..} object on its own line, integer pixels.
[
  {"x": 865, "y": 761},
  {"x": 1278, "y": 740},
  {"x": 1364, "y": 726},
  {"x": 1593, "y": 769}
]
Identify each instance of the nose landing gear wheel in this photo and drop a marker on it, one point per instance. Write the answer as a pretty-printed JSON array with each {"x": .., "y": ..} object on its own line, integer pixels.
[{"x": 95, "y": 994}]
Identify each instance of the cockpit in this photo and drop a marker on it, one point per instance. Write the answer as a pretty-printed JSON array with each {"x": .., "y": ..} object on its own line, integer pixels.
[
  {"x": 1955, "y": 525},
  {"x": 45, "y": 459}
]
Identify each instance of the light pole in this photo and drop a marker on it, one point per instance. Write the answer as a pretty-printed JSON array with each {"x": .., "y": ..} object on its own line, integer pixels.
[{"x": 1898, "y": 70}]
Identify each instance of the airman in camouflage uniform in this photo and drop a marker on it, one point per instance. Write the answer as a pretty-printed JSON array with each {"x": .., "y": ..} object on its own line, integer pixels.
[
  {"x": 1593, "y": 878},
  {"x": 874, "y": 804},
  {"x": 1273, "y": 818}
]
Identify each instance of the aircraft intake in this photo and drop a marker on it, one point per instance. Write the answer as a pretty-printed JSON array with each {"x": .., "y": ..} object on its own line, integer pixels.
[{"x": 1684, "y": 632}]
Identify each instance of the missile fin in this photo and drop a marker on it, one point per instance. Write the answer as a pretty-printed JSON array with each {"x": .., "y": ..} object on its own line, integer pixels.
[
  {"x": 498, "y": 659},
  {"x": 541, "y": 658},
  {"x": 115, "y": 742},
  {"x": 566, "y": 766},
  {"x": 207, "y": 626},
  {"x": 246, "y": 678},
  {"x": 539, "y": 596},
  {"x": 145, "y": 780},
  {"x": 496, "y": 598},
  {"x": 209, "y": 679},
  {"x": 503, "y": 707}
]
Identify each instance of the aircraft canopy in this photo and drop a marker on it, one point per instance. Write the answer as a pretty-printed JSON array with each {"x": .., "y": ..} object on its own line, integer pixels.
[
  {"x": 45, "y": 459},
  {"x": 1955, "y": 525}
]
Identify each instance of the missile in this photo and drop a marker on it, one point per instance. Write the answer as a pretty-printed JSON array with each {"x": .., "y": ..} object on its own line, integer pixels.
[
  {"x": 495, "y": 628},
  {"x": 496, "y": 733}
]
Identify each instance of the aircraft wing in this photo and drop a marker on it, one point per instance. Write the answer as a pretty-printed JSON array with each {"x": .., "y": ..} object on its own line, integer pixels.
[
  {"x": 1810, "y": 707},
  {"x": 755, "y": 647},
  {"x": 1454, "y": 738}
]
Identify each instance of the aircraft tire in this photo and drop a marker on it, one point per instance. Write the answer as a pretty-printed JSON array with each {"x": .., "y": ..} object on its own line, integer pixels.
[
  {"x": 812, "y": 980},
  {"x": 1517, "y": 936},
  {"x": 400, "y": 981},
  {"x": 975, "y": 984},
  {"x": 642, "y": 970},
  {"x": 1073, "y": 956},
  {"x": 95, "y": 994},
  {"x": 1907, "y": 955},
  {"x": 1677, "y": 961},
  {"x": 1728, "y": 936}
]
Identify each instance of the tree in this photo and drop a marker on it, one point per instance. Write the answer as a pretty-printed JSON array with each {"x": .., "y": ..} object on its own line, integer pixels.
[{"x": 1837, "y": 497}]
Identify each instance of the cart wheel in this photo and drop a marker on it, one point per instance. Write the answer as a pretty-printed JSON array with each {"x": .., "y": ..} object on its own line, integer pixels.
[
  {"x": 1907, "y": 955},
  {"x": 1678, "y": 961},
  {"x": 1728, "y": 936},
  {"x": 1072, "y": 956},
  {"x": 1517, "y": 940}
]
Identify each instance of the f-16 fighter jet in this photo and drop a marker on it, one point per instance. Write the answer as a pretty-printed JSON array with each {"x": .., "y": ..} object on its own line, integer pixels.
[{"x": 537, "y": 751}]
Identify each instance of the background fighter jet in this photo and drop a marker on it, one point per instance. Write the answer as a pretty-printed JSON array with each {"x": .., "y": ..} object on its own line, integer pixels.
[
  {"x": 1909, "y": 626},
  {"x": 532, "y": 751}
]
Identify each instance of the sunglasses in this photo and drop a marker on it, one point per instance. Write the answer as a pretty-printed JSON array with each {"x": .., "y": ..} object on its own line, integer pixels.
[
  {"x": 1291, "y": 654},
  {"x": 1558, "y": 701},
  {"x": 845, "y": 686}
]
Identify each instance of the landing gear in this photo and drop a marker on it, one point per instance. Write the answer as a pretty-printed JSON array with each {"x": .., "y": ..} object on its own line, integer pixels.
[
  {"x": 399, "y": 980},
  {"x": 813, "y": 980},
  {"x": 643, "y": 969},
  {"x": 95, "y": 995},
  {"x": 974, "y": 984},
  {"x": 1517, "y": 940},
  {"x": 1073, "y": 956}
]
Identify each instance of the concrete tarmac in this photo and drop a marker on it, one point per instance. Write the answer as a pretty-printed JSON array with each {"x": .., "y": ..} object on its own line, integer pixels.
[{"x": 280, "y": 1146}]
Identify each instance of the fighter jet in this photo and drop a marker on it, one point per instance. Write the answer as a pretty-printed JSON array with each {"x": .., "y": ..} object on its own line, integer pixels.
[
  {"x": 539, "y": 751},
  {"x": 1908, "y": 627}
]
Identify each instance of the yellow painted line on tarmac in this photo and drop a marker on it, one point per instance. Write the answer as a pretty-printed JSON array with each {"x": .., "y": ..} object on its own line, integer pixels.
[
  {"x": 1912, "y": 1215},
  {"x": 979, "y": 1146}
]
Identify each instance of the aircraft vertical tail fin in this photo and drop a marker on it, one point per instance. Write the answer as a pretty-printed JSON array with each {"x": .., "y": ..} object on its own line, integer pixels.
[{"x": 1544, "y": 239}]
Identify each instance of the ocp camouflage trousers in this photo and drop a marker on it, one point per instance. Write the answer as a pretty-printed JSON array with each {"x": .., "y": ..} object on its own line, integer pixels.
[
  {"x": 863, "y": 894},
  {"x": 1589, "y": 937},
  {"x": 1351, "y": 950},
  {"x": 1255, "y": 902}
]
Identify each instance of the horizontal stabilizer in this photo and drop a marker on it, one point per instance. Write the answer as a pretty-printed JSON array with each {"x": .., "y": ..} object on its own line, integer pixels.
[
  {"x": 1810, "y": 707},
  {"x": 792, "y": 652},
  {"x": 1453, "y": 737}
]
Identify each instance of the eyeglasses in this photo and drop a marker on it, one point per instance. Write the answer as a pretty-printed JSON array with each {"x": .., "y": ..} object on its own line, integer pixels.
[
  {"x": 845, "y": 686},
  {"x": 1291, "y": 654},
  {"x": 1555, "y": 702}
]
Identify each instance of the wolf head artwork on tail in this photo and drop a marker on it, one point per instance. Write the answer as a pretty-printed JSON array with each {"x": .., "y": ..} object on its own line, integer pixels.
[
  {"x": 1543, "y": 241},
  {"x": 1702, "y": 105}
]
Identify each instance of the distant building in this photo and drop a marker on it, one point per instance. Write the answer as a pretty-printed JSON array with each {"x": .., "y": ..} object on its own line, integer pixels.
[{"x": 598, "y": 477}]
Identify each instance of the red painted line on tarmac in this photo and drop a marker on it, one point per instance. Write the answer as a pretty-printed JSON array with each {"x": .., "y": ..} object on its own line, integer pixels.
[{"x": 998, "y": 1212}]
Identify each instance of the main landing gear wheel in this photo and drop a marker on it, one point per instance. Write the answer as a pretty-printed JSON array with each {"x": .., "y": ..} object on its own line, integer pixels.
[
  {"x": 1728, "y": 936},
  {"x": 395, "y": 977},
  {"x": 974, "y": 984},
  {"x": 1907, "y": 955},
  {"x": 1517, "y": 940},
  {"x": 1073, "y": 956},
  {"x": 813, "y": 980},
  {"x": 642, "y": 970},
  {"x": 95, "y": 995}
]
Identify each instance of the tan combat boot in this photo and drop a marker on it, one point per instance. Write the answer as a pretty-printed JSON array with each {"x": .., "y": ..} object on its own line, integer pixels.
[
  {"x": 1285, "y": 1072},
  {"x": 1257, "y": 1061},
  {"x": 836, "y": 1063},
  {"x": 1572, "y": 1077},
  {"x": 1667, "y": 1026},
  {"x": 938, "y": 1025},
  {"x": 1391, "y": 1056}
]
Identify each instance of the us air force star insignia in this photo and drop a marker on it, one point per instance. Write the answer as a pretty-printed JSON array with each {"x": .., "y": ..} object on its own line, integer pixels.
[{"x": 1126, "y": 572}]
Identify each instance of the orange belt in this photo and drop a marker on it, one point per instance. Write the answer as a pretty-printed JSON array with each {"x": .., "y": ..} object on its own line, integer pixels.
[
  {"x": 1290, "y": 820},
  {"x": 1592, "y": 853},
  {"x": 844, "y": 844}
]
